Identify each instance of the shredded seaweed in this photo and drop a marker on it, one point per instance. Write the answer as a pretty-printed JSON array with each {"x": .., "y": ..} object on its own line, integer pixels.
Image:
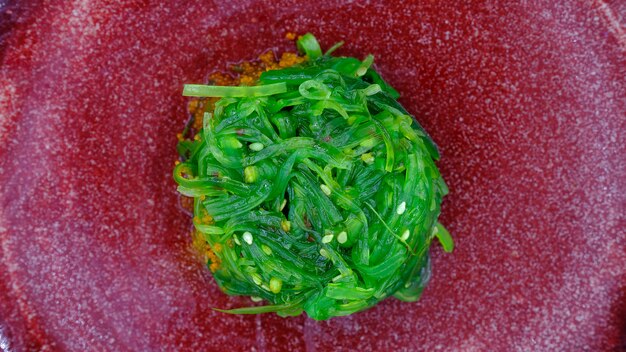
[
  {"x": 198, "y": 90},
  {"x": 316, "y": 189}
]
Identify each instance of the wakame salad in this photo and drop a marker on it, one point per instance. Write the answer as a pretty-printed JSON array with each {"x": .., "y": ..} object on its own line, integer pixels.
[{"x": 312, "y": 188}]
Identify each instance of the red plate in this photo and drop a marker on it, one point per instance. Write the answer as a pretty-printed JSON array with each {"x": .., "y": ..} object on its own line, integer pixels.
[{"x": 527, "y": 103}]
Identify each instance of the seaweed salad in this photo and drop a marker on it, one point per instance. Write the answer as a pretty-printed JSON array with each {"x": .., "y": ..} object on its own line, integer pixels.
[{"x": 312, "y": 188}]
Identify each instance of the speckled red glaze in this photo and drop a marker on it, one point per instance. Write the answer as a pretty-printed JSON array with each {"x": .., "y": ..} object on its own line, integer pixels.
[{"x": 527, "y": 103}]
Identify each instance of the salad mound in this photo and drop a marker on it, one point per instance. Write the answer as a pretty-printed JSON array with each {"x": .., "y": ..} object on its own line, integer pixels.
[{"x": 313, "y": 188}]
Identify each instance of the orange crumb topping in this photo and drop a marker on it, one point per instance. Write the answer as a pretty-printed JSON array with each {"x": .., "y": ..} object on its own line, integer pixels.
[
  {"x": 205, "y": 252},
  {"x": 268, "y": 58},
  {"x": 207, "y": 219},
  {"x": 221, "y": 79},
  {"x": 186, "y": 203},
  {"x": 289, "y": 59}
]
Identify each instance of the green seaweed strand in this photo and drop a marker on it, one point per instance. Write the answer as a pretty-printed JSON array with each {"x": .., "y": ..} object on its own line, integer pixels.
[{"x": 322, "y": 190}]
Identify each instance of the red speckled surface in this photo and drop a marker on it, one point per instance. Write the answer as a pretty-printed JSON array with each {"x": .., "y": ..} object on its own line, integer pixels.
[{"x": 527, "y": 103}]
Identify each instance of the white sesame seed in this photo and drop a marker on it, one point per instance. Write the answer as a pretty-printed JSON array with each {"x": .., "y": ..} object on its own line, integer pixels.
[
  {"x": 342, "y": 237},
  {"x": 236, "y": 240},
  {"x": 405, "y": 235},
  {"x": 327, "y": 238},
  {"x": 323, "y": 253},
  {"x": 325, "y": 189},
  {"x": 401, "y": 208},
  {"x": 256, "y": 298},
  {"x": 266, "y": 249},
  {"x": 282, "y": 205},
  {"x": 247, "y": 237},
  {"x": 256, "y": 146}
]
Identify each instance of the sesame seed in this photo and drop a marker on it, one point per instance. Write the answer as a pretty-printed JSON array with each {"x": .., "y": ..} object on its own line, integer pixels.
[
  {"x": 285, "y": 225},
  {"x": 325, "y": 189},
  {"x": 266, "y": 249},
  {"x": 256, "y": 278},
  {"x": 250, "y": 174},
  {"x": 236, "y": 240},
  {"x": 327, "y": 238},
  {"x": 368, "y": 158},
  {"x": 342, "y": 237},
  {"x": 256, "y": 298},
  {"x": 275, "y": 285},
  {"x": 405, "y": 235},
  {"x": 256, "y": 146},
  {"x": 401, "y": 208},
  {"x": 282, "y": 205},
  {"x": 247, "y": 237}
]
